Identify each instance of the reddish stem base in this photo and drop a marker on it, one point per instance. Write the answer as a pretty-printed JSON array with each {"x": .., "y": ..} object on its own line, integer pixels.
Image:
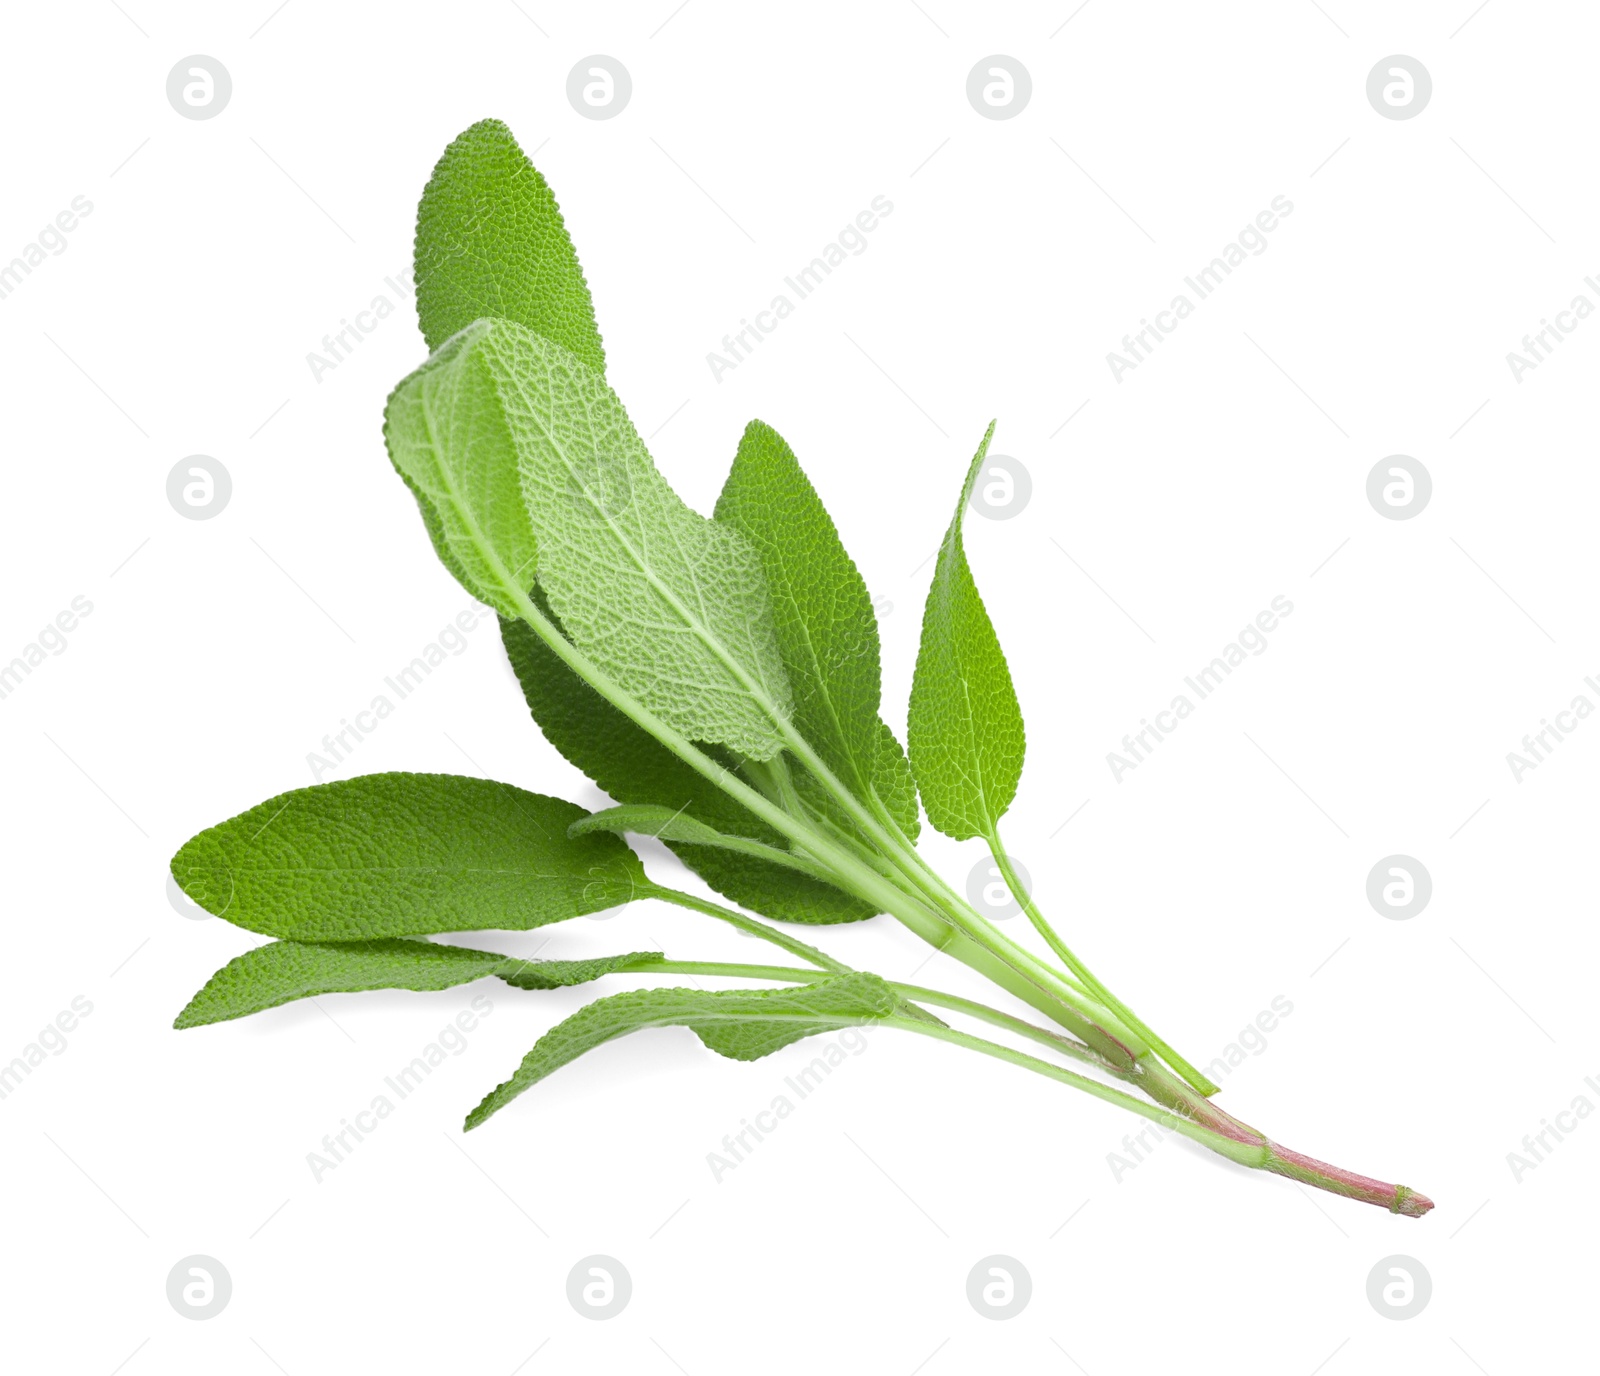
[{"x": 1397, "y": 1199}]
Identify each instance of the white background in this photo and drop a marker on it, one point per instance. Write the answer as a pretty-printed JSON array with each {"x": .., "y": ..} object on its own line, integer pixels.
[{"x": 1227, "y": 869}]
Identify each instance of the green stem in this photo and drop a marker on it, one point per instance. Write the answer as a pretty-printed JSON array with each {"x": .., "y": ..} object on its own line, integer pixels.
[
  {"x": 954, "y": 1003},
  {"x": 1015, "y": 970},
  {"x": 1112, "y": 1050},
  {"x": 738, "y": 845},
  {"x": 1025, "y": 899},
  {"x": 781, "y": 974},
  {"x": 1245, "y": 1153},
  {"x": 1229, "y": 1138},
  {"x": 1015, "y": 973},
  {"x": 901, "y": 855},
  {"x": 948, "y": 898},
  {"x": 905, "y": 861},
  {"x": 793, "y": 945},
  {"x": 1197, "y": 1119}
]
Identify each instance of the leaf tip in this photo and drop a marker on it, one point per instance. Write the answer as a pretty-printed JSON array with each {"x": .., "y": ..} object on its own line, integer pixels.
[
  {"x": 192, "y": 1015},
  {"x": 757, "y": 430},
  {"x": 973, "y": 470},
  {"x": 480, "y": 1114}
]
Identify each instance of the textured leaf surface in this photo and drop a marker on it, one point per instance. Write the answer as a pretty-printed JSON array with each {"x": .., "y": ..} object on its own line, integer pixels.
[
  {"x": 491, "y": 241},
  {"x": 783, "y": 894},
  {"x": 964, "y": 728},
  {"x": 894, "y": 781},
  {"x": 283, "y": 971},
  {"x": 390, "y": 855},
  {"x": 559, "y": 974},
  {"x": 741, "y": 1024},
  {"x": 671, "y": 606},
  {"x": 633, "y": 767},
  {"x": 822, "y": 613}
]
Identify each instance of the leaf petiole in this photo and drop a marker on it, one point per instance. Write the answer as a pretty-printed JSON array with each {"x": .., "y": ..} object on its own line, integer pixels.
[
  {"x": 1253, "y": 1154},
  {"x": 749, "y": 925},
  {"x": 1020, "y": 892}
]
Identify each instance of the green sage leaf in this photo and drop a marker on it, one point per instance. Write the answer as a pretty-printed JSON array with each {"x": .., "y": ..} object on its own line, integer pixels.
[
  {"x": 283, "y": 971},
  {"x": 964, "y": 728},
  {"x": 491, "y": 242},
  {"x": 822, "y": 612},
  {"x": 738, "y": 1023},
  {"x": 389, "y": 855},
  {"x": 669, "y": 607},
  {"x": 561, "y": 974}
]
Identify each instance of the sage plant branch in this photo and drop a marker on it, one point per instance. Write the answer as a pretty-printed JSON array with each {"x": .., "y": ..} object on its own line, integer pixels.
[{"x": 718, "y": 677}]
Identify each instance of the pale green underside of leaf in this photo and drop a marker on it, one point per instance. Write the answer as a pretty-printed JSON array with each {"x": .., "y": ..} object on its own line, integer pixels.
[
  {"x": 448, "y": 440},
  {"x": 633, "y": 767},
  {"x": 741, "y": 1024},
  {"x": 491, "y": 242},
  {"x": 283, "y": 971},
  {"x": 964, "y": 729},
  {"x": 826, "y": 628},
  {"x": 389, "y": 855},
  {"x": 671, "y": 606}
]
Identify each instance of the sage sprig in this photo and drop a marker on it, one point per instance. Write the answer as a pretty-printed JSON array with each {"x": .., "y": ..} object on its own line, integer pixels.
[{"x": 719, "y": 678}]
